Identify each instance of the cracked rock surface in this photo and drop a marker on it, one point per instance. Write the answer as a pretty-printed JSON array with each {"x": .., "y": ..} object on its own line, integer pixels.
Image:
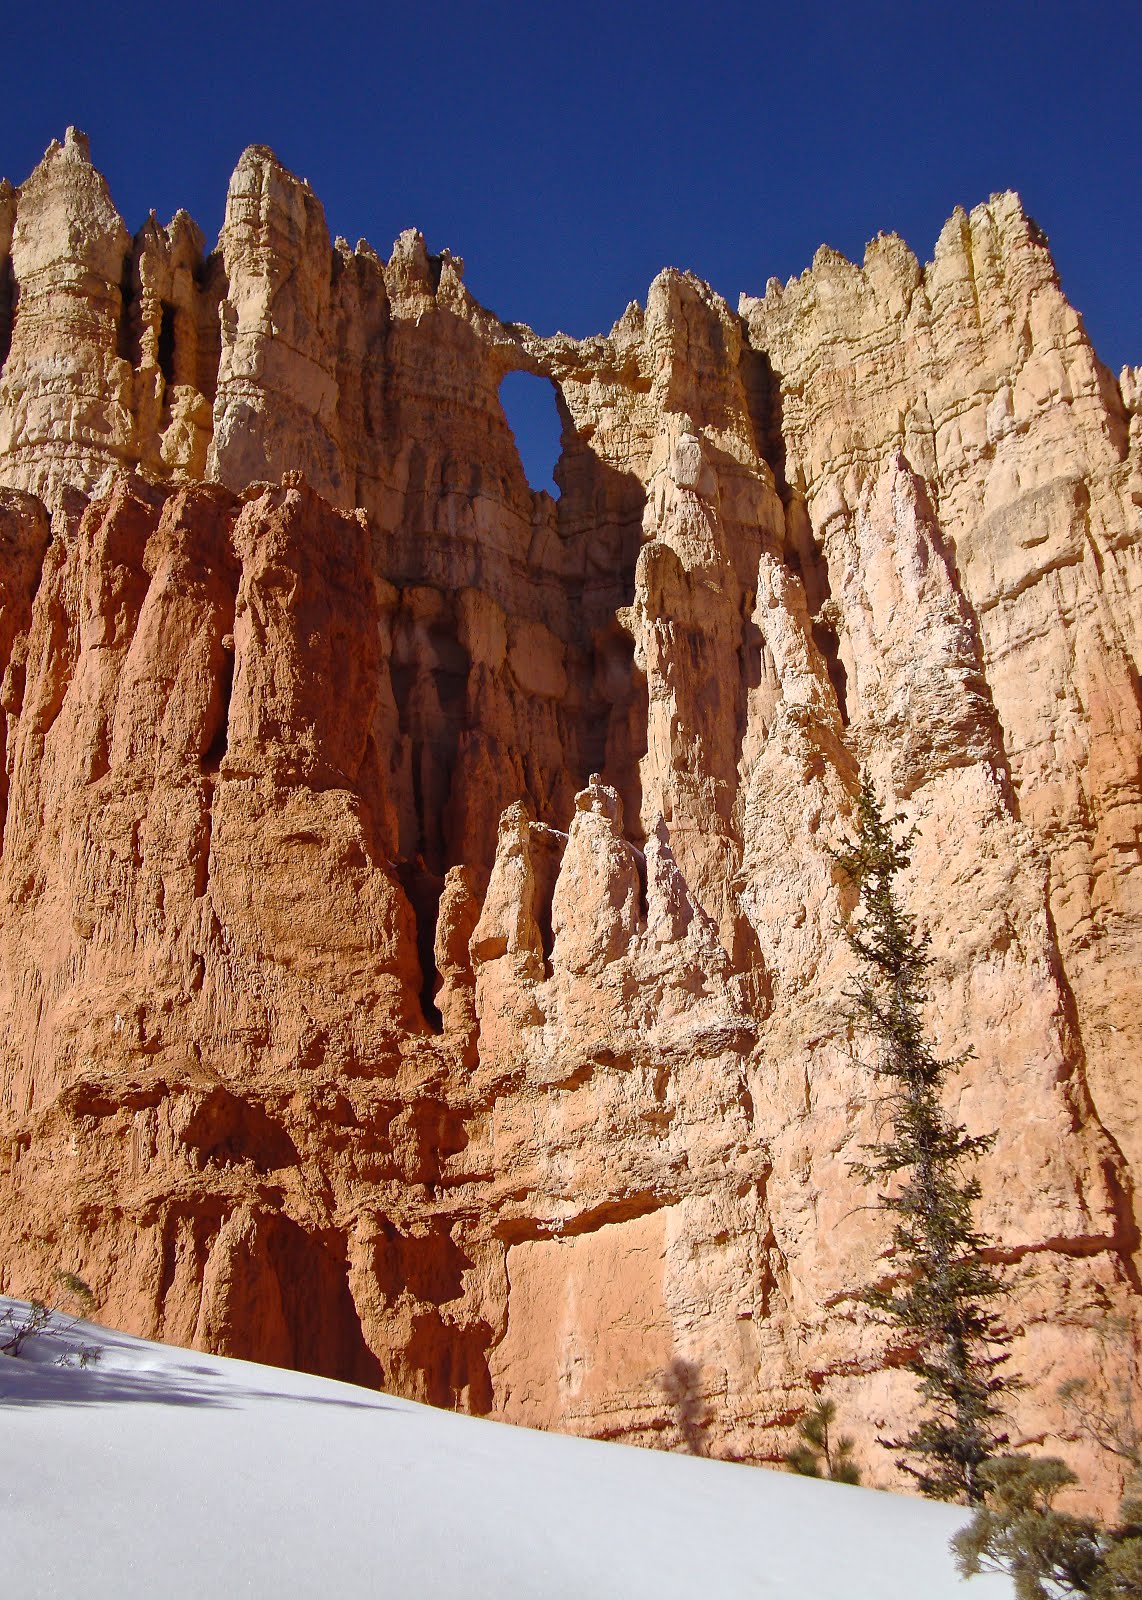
[{"x": 418, "y": 924}]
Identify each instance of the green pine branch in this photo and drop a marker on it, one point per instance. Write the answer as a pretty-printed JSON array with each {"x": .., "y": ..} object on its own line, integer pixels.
[{"x": 939, "y": 1301}]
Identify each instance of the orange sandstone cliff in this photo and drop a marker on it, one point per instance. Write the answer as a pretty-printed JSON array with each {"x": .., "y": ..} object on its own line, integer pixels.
[{"x": 418, "y": 929}]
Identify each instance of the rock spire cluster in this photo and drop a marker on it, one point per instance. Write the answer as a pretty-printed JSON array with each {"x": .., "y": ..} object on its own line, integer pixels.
[{"x": 419, "y": 953}]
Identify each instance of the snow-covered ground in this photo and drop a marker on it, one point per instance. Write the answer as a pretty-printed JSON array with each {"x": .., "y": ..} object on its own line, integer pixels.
[{"x": 163, "y": 1473}]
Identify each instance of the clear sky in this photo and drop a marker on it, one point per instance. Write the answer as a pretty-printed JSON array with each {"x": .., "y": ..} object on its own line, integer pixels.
[{"x": 569, "y": 151}]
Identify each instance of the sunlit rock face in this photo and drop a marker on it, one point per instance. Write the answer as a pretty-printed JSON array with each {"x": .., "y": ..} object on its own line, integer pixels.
[{"x": 419, "y": 952}]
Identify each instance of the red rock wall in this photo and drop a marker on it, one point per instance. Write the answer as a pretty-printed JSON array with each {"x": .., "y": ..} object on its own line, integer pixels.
[{"x": 418, "y": 952}]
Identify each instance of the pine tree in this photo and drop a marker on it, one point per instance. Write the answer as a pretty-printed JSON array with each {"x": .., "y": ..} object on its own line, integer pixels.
[
  {"x": 819, "y": 1455},
  {"x": 943, "y": 1289}
]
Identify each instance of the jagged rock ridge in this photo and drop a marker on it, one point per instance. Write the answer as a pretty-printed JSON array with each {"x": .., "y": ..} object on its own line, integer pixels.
[{"x": 418, "y": 957}]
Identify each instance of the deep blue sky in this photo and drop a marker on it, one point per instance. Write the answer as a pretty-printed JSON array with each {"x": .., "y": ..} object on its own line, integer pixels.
[{"x": 570, "y": 151}]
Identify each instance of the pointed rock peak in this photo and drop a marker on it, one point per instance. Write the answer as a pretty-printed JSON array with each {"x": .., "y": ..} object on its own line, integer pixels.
[
  {"x": 986, "y": 241},
  {"x": 65, "y": 213},
  {"x": 666, "y": 298},
  {"x": 891, "y": 270},
  {"x": 452, "y": 264},
  {"x": 1009, "y": 214},
  {"x": 1000, "y": 220},
  {"x": 600, "y": 798},
  {"x": 670, "y": 911},
  {"x": 270, "y": 203},
  {"x": 673, "y": 289},
  {"x": 516, "y": 819},
  {"x": 827, "y": 257},
  {"x": 67, "y": 163},
  {"x": 78, "y": 145},
  {"x": 953, "y": 234},
  {"x": 410, "y": 269},
  {"x": 152, "y": 232},
  {"x": 260, "y": 155},
  {"x": 630, "y": 324},
  {"x": 185, "y": 235},
  {"x": 692, "y": 333},
  {"x": 260, "y": 173},
  {"x": 1005, "y": 203},
  {"x": 892, "y": 248},
  {"x": 410, "y": 250},
  {"x": 664, "y": 281}
]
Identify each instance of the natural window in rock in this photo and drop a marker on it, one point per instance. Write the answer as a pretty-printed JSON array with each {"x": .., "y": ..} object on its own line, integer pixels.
[{"x": 533, "y": 416}]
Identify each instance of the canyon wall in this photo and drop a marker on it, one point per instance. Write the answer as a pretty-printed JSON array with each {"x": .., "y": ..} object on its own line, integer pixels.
[{"x": 419, "y": 951}]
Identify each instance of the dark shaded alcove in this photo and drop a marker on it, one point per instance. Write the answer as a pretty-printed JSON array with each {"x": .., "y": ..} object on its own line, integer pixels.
[
  {"x": 318, "y": 1307},
  {"x": 424, "y": 889},
  {"x": 828, "y": 643},
  {"x": 9, "y": 299},
  {"x": 766, "y": 412},
  {"x": 129, "y": 327},
  {"x": 166, "y": 343}
]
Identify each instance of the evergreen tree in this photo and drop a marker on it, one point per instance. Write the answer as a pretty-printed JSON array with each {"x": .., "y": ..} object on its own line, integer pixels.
[
  {"x": 819, "y": 1455},
  {"x": 1049, "y": 1553},
  {"x": 943, "y": 1289}
]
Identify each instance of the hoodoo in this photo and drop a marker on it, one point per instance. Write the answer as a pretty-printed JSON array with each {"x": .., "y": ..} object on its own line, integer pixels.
[{"x": 420, "y": 957}]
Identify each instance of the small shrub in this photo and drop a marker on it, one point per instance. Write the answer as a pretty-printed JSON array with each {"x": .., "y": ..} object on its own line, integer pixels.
[
  {"x": 20, "y": 1323},
  {"x": 1049, "y": 1553},
  {"x": 819, "y": 1455}
]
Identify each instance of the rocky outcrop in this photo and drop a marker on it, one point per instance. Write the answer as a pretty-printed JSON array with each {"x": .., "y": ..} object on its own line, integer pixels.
[
  {"x": 419, "y": 953},
  {"x": 109, "y": 343}
]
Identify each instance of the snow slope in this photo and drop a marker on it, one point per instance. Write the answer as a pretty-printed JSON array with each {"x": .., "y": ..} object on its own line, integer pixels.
[{"x": 163, "y": 1473}]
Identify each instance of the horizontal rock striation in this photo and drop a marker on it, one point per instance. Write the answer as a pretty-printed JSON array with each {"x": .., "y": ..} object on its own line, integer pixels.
[{"x": 419, "y": 953}]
